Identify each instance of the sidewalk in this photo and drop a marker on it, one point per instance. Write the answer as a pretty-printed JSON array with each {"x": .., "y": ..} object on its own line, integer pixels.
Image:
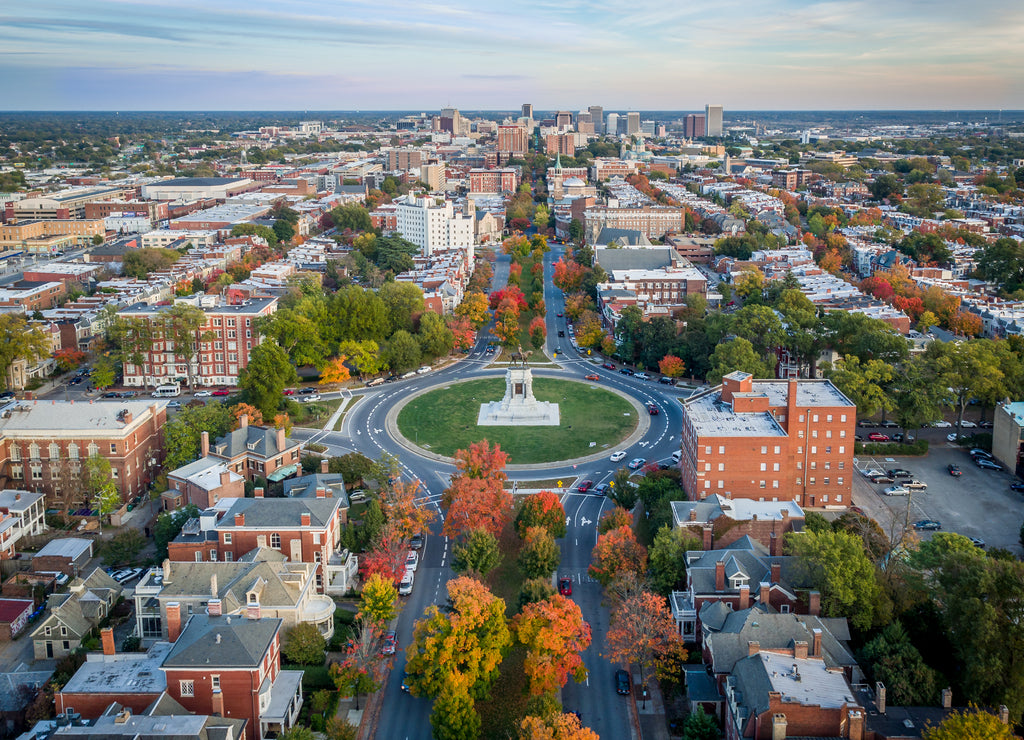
[{"x": 651, "y": 713}]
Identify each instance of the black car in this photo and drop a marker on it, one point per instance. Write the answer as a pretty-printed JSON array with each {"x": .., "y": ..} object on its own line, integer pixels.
[
  {"x": 307, "y": 391},
  {"x": 899, "y": 473},
  {"x": 561, "y": 333},
  {"x": 626, "y": 371},
  {"x": 622, "y": 681},
  {"x": 1019, "y": 487},
  {"x": 954, "y": 470},
  {"x": 6, "y": 395},
  {"x": 667, "y": 380}
]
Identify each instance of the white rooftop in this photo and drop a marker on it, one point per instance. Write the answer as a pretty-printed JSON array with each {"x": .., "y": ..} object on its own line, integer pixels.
[
  {"x": 62, "y": 417},
  {"x": 712, "y": 417},
  {"x": 810, "y": 682}
]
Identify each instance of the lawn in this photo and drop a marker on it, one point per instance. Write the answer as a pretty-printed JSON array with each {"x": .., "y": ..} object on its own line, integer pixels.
[
  {"x": 313, "y": 414},
  {"x": 444, "y": 420}
]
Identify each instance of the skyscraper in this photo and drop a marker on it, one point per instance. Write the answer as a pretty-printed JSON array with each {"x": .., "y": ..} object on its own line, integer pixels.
[
  {"x": 632, "y": 123},
  {"x": 527, "y": 110},
  {"x": 597, "y": 116},
  {"x": 694, "y": 126},
  {"x": 563, "y": 119},
  {"x": 612, "y": 129},
  {"x": 713, "y": 119}
]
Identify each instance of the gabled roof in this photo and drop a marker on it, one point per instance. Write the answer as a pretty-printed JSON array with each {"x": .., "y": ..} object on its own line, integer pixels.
[
  {"x": 280, "y": 512},
  {"x": 250, "y": 439},
  {"x": 282, "y": 582},
  {"x": 744, "y": 556},
  {"x": 649, "y": 258},
  {"x": 222, "y": 642},
  {"x": 305, "y": 486}
]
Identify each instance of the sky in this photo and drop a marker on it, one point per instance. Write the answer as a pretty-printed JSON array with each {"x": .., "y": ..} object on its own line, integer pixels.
[{"x": 481, "y": 54}]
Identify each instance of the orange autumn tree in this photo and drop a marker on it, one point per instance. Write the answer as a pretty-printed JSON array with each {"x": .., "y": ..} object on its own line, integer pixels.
[
  {"x": 643, "y": 632},
  {"x": 463, "y": 334},
  {"x": 474, "y": 309},
  {"x": 568, "y": 276},
  {"x": 541, "y": 510},
  {"x": 398, "y": 502},
  {"x": 334, "y": 372},
  {"x": 559, "y": 727},
  {"x": 554, "y": 634},
  {"x": 255, "y": 416},
  {"x": 671, "y": 366},
  {"x": 477, "y": 497},
  {"x": 614, "y": 519},
  {"x": 616, "y": 552}
]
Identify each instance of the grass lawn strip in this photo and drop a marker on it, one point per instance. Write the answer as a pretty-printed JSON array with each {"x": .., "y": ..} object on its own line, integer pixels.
[
  {"x": 304, "y": 418},
  {"x": 341, "y": 419},
  {"x": 446, "y": 420}
]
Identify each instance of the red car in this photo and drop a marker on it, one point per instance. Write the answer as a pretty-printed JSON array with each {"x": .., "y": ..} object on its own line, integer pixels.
[
  {"x": 221, "y": 392},
  {"x": 652, "y": 409},
  {"x": 584, "y": 486},
  {"x": 289, "y": 391},
  {"x": 593, "y": 376},
  {"x": 565, "y": 586},
  {"x": 878, "y": 437},
  {"x": 608, "y": 366}
]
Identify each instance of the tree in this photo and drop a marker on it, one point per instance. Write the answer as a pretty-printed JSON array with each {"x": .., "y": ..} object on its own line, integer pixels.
[
  {"x": 253, "y": 415},
  {"x": 364, "y": 356},
  {"x": 377, "y": 602},
  {"x": 351, "y": 217},
  {"x": 700, "y": 725},
  {"x": 402, "y": 352},
  {"x": 558, "y": 727},
  {"x": 98, "y": 486},
  {"x": 168, "y": 526},
  {"x": 622, "y": 490},
  {"x": 139, "y": 263},
  {"x": 334, "y": 372},
  {"x": 398, "y": 502},
  {"x": 837, "y": 566},
  {"x": 477, "y": 553},
  {"x": 541, "y": 510},
  {"x": 885, "y": 186},
  {"x": 303, "y": 644},
  {"x": 538, "y": 332},
  {"x": 736, "y": 354},
  {"x": 613, "y": 519},
  {"x": 477, "y": 495},
  {"x": 468, "y": 642},
  {"x": 123, "y": 547},
  {"x": 103, "y": 373},
  {"x": 864, "y": 383},
  {"x": 616, "y": 551},
  {"x": 671, "y": 366},
  {"x": 643, "y": 632},
  {"x": 506, "y": 327},
  {"x": 20, "y": 341},
  {"x": 435, "y": 338},
  {"x": 969, "y": 724},
  {"x": 539, "y": 555},
  {"x": 554, "y": 634},
  {"x": 749, "y": 283},
  {"x": 474, "y": 308},
  {"x": 667, "y": 566},
  {"x": 339, "y": 729},
  {"x": 296, "y": 333},
  {"x": 895, "y": 661},
  {"x": 535, "y": 589},
  {"x": 297, "y": 732},
  {"x": 265, "y": 377},
  {"x": 360, "y": 670},
  {"x": 1002, "y": 261},
  {"x": 404, "y": 302},
  {"x": 455, "y": 716},
  {"x": 183, "y": 432},
  {"x": 180, "y": 326},
  {"x": 968, "y": 369}
]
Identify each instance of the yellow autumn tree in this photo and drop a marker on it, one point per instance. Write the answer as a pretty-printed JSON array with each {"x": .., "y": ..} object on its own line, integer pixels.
[{"x": 334, "y": 372}]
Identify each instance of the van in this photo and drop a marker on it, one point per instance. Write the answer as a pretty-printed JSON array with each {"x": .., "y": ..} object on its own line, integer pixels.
[
  {"x": 167, "y": 391},
  {"x": 405, "y": 587},
  {"x": 677, "y": 456}
]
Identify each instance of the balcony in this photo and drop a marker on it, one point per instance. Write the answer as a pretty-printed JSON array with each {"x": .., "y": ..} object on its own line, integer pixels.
[
  {"x": 319, "y": 610},
  {"x": 282, "y": 704}
]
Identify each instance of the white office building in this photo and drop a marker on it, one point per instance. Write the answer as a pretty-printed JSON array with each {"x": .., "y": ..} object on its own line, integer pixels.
[
  {"x": 434, "y": 227},
  {"x": 713, "y": 119}
]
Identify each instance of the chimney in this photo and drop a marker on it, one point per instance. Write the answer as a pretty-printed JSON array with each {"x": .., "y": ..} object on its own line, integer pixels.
[
  {"x": 947, "y": 698},
  {"x": 243, "y": 421},
  {"x": 774, "y": 545},
  {"x": 252, "y": 610},
  {"x": 791, "y": 402},
  {"x": 240, "y": 520},
  {"x": 258, "y": 492},
  {"x": 753, "y": 646},
  {"x": 213, "y": 608},
  {"x": 816, "y": 643},
  {"x": 204, "y": 444},
  {"x": 225, "y": 477},
  {"x": 107, "y": 636},
  {"x": 880, "y": 697},
  {"x": 800, "y": 649},
  {"x": 217, "y": 701},
  {"x": 814, "y": 603},
  {"x": 126, "y": 417},
  {"x": 123, "y": 716},
  {"x": 167, "y": 570},
  {"x": 321, "y": 492},
  {"x": 325, "y": 465},
  {"x": 306, "y": 518},
  {"x": 744, "y": 597},
  {"x": 709, "y": 538},
  {"x": 719, "y": 576},
  {"x": 693, "y": 515},
  {"x": 856, "y": 724},
  {"x": 280, "y": 440},
  {"x": 214, "y": 591},
  {"x": 765, "y": 596},
  {"x": 776, "y": 573},
  {"x": 1004, "y": 714},
  {"x": 173, "y": 621},
  {"x": 778, "y": 727}
]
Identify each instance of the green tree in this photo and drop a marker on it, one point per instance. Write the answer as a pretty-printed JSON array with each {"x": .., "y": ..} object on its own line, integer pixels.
[
  {"x": 700, "y": 726},
  {"x": 20, "y": 341},
  {"x": 885, "y": 186},
  {"x": 180, "y": 326},
  {"x": 168, "y": 526},
  {"x": 296, "y": 333},
  {"x": 761, "y": 326},
  {"x": 455, "y": 716},
  {"x": 183, "y": 432},
  {"x": 395, "y": 253},
  {"x": 737, "y": 354},
  {"x": 351, "y": 216},
  {"x": 402, "y": 352},
  {"x": 478, "y": 553},
  {"x": 139, "y": 263},
  {"x": 864, "y": 384},
  {"x": 297, "y": 732},
  {"x": 123, "y": 547},
  {"x": 539, "y": 555},
  {"x": 264, "y": 379},
  {"x": 377, "y": 603},
  {"x": 933, "y": 552},
  {"x": 404, "y": 303},
  {"x": 534, "y": 590},
  {"x": 435, "y": 338},
  {"x": 303, "y": 644},
  {"x": 622, "y": 491},
  {"x": 969, "y": 724},
  {"x": 895, "y": 661},
  {"x": 968, "y": 369},
  {"x": 104, "y": 372},
  {"x": 666, "y": 565},
  {"x": 1002, "y": 261},
  {"x": 283, "y": 230},
  {"x": 836, "y": 564}
]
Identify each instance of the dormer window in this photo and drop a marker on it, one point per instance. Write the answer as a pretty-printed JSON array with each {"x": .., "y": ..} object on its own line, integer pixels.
[{"x": 737, "y": 581}]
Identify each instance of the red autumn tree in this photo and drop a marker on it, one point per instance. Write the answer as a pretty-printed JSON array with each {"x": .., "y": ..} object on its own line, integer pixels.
[
  {"x": 643, "y": 632},
  {"x": 538, "y": 332},
  {"x": 672, "y": 366},
  {"x": 554, "y": 634},
  {"x": 615, "y": 518},
  {"x": 878, "y": 287},
  {"x": 463, "y": 334},
  {"x": 616, "y": 551},
  {"x": 480, "y": 460},
  {"x": 398, "y": 502},
  {"x": 477, "y": 497},
  {"x": 568, "y": 276},
  {"x": 541, "y": 510},
  {"x": 511, "y": 291},
  {"x": 386, "y": 556}
]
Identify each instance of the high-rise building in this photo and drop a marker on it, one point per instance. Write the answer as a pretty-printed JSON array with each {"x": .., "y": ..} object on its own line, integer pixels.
[
  {"x": 612, "y": 126},
  {"x": 561, "y": 144},
  {"x": 648, "y": 128},
  {"x": 713, "y": 119},
  {"x": 527, "y": 110},
  {"x": 563, "y": 120},
  {"x": 513, "y": 140},
  {"x": 597, "y": 117},
  {"x": 694, "y": 126},
  {"x": 451, "y": 121},
  {"x": 632, "y": 123},
  {"x": 433, "y": 227}
]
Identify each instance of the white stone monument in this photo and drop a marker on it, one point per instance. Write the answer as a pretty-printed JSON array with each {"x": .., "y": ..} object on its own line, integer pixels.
[{"x": 519, "y": 407}]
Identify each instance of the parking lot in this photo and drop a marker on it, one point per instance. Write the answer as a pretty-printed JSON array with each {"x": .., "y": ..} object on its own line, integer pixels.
[{"x": 977, "y": 504}]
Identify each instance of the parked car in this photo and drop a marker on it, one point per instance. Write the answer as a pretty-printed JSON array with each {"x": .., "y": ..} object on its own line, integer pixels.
[
  {"x": 593, "y": 376},
  {"x": 652, "y": 409},
  {"x": 423, "y": 370},
  {"x": 977, "y": 542},
  {"x": 616, "y": 456},
  {"x": 954, "y": 470},
  {"x": 1018, "y": 487},
  {"x": 288, "y": 391},
  {"x": 311, "y": 398},
  {"x": 871, "y": 473},
  {"x": 897, "y": 491},
  {"x": 881, "y": 478},
  {"x": 306, "y": 391},
  {"x": 916, "y": 485},
  {"x": 642, "y": 376},
  {"x": 966, "y": 424},
  {"x": 585, "y": 486},
  {"x": 390, "y": 643},
  {"x": 608, "y": 366},
  {"x": 665, "y": 380},
  {"x": 927, "y": 524},
  {"x": 625, "y": 371},
  {"x": 565, "y": 586},
  {"x": 636, "y": 463},
  {"x": 901, "y": 437},
  {"x": 405, "y": 587},
  {"x": 111, "y": 394},
  {"x": 416, "y": 541},
  {"x": 954, "y": 437},
  {"x": 976, "y": 453},
  {"x": 622, "y": 681},
  {"x": 878, "y": 437},
  {"x": 889, "y": 424},
  {"x": 174, "y": 404},
  {"x": 221, "y": 392},
  {"x": 899, "y": 473},
  {"x": 357, "y": 497},
  {"x": 866, "y": 423},
  {"x": 942, "y": 424},
  {"x": 8, "y": 395},
  {"x": 412, "y": 561},
  {"x": 987, "y": 464},
  {"x": 561, "y": 332}
]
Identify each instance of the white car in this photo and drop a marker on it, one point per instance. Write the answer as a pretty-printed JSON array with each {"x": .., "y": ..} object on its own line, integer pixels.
[
  {"x": 942, "y": 425},
  {"x": 311, "y": 398},
  {"x": 412, "y": 561},
  {"x": 642, "y": 376},
  {"x": 965, "y": 424},
  {"x": 953, "y": 437},
  {"x": 897, "y": 491},
  {"x": 616, "y": 456},
  {"x": 405, "y": 587},
  {"x": 423, "y": 370},
  {"x": 203, "y": 394}
]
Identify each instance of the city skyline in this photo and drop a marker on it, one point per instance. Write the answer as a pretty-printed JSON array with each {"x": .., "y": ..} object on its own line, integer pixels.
[{"x": 781, "y": 55}]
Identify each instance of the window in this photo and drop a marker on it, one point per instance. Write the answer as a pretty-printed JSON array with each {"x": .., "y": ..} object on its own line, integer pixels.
[
  {"x": 800, "y": 450},
  {"x": 762, "y": 484},
  {"x": 707, "y": 467},
  {"x": 839, "y": 482},
  {"x": 828, "y": 418},
  {"x": 842, "y": 434},
  {"x": 113, "y": 448},
  {"x": 229, "y": 556},
  {"x": 215, "y": 681},
  {"x": 800, "y": 434},
  {"x": 777, "y": 449},
  {"x": 275, "y": 541},
  {"x": 316, "y": 538},
  {"x": 814, "y": 433},
  {"x": 721, "y": 449},
  {"x": 54, "y": 451},
  {"x": 33, "y": 451},
  {"x": 721, "y": 467},
  {"x": 842, "y": 465},
  {"x": 775, "y": 467},
  {"x": 199, "y": 556},
  {"x": 15, "y": 453},
  {"x": 764, "y": 450},
  {"x": 707, "y": 450},
  {"x": 825, "y": 481},
  {"x": 63, "y": 630},
  {"x": 764, "y": 467},
  {"x": 775, "y": 484},
  {"x": 842, "y": 450},
  {"x": 213, "y": 556},
  {"x": 187, "y": 688},
  {"x": 810, "y": 481},
  {"x": 814, "y": 464},
  {"x": 814, "y": 450},
  {"x": 37, "y": 473},
  {"x": 815, "y": 419},
  {"x": 801, "y": 418},
  {"x": 842, "y": 417},
  {"x": 784, "y": 608},
  {"x": 828, "y": 434},
  {"x": 94, "y": 449}
]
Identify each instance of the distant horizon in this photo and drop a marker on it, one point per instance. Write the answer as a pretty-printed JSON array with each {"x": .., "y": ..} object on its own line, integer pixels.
[
  {"x": 241, "y": 55},
  {"x": 415, "y": 111}
]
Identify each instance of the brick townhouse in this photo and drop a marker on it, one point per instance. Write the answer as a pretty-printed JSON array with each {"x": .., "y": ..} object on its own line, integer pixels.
[
  {"x": 42, "y": 442},
  {"x": 255, "y": 452},
  {"x": 228, "y": 337},
  {"x": 770, "y": 440}
]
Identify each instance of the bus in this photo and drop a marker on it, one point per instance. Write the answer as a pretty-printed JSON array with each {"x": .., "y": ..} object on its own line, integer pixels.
[{"x": 167, "y": 391}]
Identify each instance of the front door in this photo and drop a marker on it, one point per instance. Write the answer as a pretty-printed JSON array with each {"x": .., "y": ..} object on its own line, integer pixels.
[{"x": 49, "y": 649}]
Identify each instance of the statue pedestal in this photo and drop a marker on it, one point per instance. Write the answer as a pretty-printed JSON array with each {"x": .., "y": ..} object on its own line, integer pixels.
[{"x": 519, "y": 407}]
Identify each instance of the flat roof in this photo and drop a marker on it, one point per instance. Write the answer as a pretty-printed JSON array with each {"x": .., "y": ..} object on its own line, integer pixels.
[
  {"x": 63, "y": 417},
  {"x": 121, "y": 673},
  {"x": 65, "y": 547},
  {"x": 809, "y": 683},
  {"x": 712, "y": 417}
]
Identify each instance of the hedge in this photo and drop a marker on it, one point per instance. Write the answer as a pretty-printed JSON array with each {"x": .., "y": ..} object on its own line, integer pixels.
[{"x": 918, "y": 448}]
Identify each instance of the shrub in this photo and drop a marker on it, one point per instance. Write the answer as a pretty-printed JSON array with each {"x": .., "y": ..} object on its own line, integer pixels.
[{"x": 918, "y": 447}]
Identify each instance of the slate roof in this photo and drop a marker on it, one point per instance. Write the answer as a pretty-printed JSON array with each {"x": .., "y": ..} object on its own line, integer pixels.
[
  {"x": 623, "y": 237},
  {"x": 250, "y": 440},
  {"x": 280, "y": 512},
  {"x": 650, "y": 258},
  {"x": 281, "y": 582},
  {"x": 745, "y": 556},
  {"x": 222, "y": 642},
  {"x": 306, "y": 485}
]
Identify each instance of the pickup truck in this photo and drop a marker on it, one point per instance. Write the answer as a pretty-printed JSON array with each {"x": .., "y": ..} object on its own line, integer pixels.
[{"x": 915, "y": 485}]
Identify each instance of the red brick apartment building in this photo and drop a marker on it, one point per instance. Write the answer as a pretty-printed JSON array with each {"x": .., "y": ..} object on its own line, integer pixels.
[
  {"x": 505, "y": 180},
  {"x": 513, "y": 139},
  {"x": 770, "y": 440},
  {"x": 231, "y": 333}
]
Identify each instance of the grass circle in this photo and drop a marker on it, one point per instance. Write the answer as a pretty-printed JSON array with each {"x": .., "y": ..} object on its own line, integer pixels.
[{"x": 444, "y": 420}]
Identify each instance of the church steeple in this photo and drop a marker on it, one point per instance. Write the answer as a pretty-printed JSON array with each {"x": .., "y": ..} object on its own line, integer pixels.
[{"x": 558, "y": 162}]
